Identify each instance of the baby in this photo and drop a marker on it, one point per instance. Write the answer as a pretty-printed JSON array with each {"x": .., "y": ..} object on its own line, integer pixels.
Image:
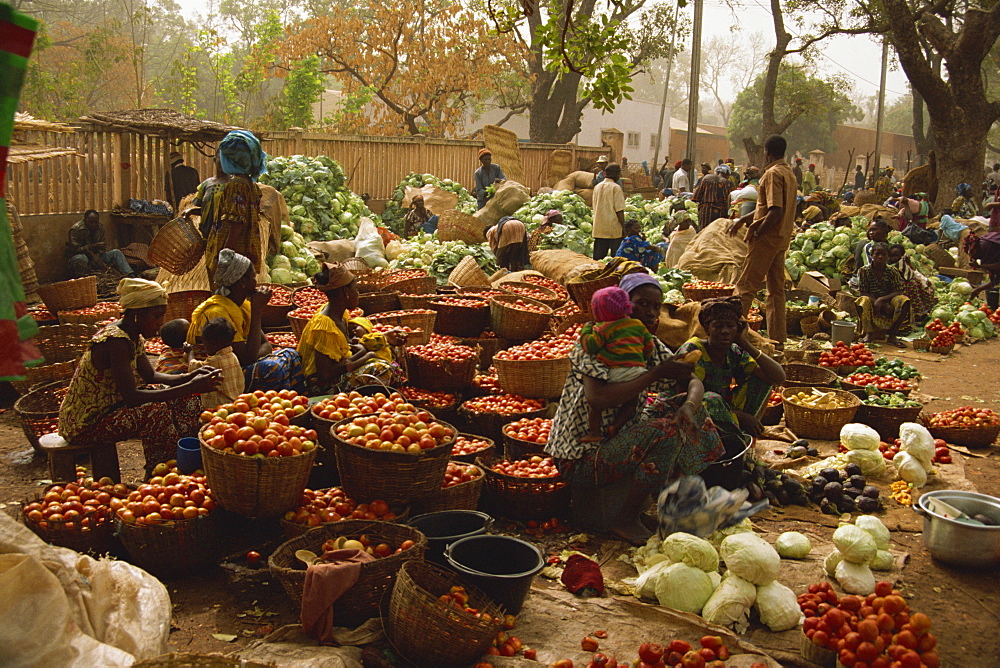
[
  {"x": 620, "y": 342},
  {"x": 173, "y": 360},
  {"x": 217, "y": 335}
]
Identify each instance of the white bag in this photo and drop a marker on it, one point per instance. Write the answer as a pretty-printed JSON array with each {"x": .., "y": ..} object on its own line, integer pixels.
[{"x": 368, "y": 244}]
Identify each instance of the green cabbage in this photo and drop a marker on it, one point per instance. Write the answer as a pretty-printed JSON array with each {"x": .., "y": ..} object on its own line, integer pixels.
[
  {"x": 683, "y": 587},
  {"x": 793, "y": 545},
  {"x": 778, "y": 607},
  {"x": 750, "y": 557},
  {"x": 854, "y": 543},
  {"x": 691, "y": 550}
]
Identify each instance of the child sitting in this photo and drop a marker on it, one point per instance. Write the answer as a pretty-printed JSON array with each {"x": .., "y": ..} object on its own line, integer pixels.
[
  {"x": 217, "y": 335},
  {"x": 635, "y": 247},
  {"x": 173, "y": 359},
  {"x": 621, "y": 343}
]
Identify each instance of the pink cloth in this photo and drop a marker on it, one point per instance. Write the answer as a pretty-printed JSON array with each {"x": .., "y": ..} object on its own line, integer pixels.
[{"x": 325, "y": 583}]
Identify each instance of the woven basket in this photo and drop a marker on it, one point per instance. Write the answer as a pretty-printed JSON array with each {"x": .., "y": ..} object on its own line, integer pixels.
[
  {"x": 275, "y": 315},
  {"x": 357, "y": 266},
  {"x": 189, "y": 660},
  {"x": 543, "y": 379},
  {"x": 941, "y": 350},
  {"x": 581, "y": 292},
  {"x": 429, "y": 633},
  {"x": 794, "y": 315},
  {"x": 298, "y": 325},
  {"x": 885, "y": 420},
  {"x": 552, "y": 285},
  {"x": 524, "y": 498},
  {"x": 467, "y": 273},
  {"x": 394, "y": 477},
  {"x": 62, "y": 343},
  {"x": 485, "y": 292},
  {"x": 77, "y": 318},
  {"x": 491, "y": 424},
  {"x": 422, "y": 285},
  {"x": 256, "y": 487},
  {"x": 409, "y": 302},
  {"x": 813, "y": 653},
  {"x": 38, "y": 410},
  {"x": 69, "y": 295},
  {"x": 366, "y": 599},
  {"x": 844, "y": 385},
  {"x": 516, "y": 448},
  {"x": 299, "y": 294},
  {"x": 413, "y": 320},
  {"x": 550, "y": 299},
  {"x": 808, "y": 375},
  {"x": 293, "y": 529},
  {"x": 177, "y": 246},
  {"x": 823, "y": 424},
  {"x": 462, "y": 321},
  {"x": 95, "y": 540},
  {"x": 455, "y": 225},
  {"x": 693, "y": 294},
  {"x": 970, "y": 437},
  {"x": 810, "y": 325},
  {"x": 178, "y": 548},
  {"x": 517, "y": 324},
  {"x": 446, "y": 375},
  {"x": 182, "y": 304},
  {"x": 378, "y": 302},
  {"x": 805, "y": 356},
  {"x": 464, "y": 496},
  {"x": 45, "y": 374},
  {"x": 488, "y": 347}
]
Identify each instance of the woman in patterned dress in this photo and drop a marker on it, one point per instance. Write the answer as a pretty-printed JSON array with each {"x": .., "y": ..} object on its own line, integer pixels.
[{"x": 883, "y": 307}]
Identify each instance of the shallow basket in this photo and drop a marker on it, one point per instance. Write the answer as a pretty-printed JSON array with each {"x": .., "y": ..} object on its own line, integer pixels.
[
  {"x": 463, "y": 496},
  {"x": 462, "y": 321},
  {"x": 62, "y": 343},
  {"x": 44, "y": 374},
  {"x": 367, "y": 598},
  {"x": 256, "y": 487},
  {"x": 550, "y": 299},
  {"x": 886, "y": 420},
  {"x": 970, "y": 437},
  {"x": 367, "y": 474},
  {"x": 276, "y": 315},
  {"x": 467, "y": 273},
  {"x": 75, "y": 317},
  {"x": 524, "y": 498},
  {"x": 413, "y": 320},
  {"x": 693, "y": 294},
  {"x": 447, "y": 375},
  {"x": 429, "y": 633},
  {"x": 543, "y": 379},
  {"x": 516, "y": 448},
  {"x": 378, "y": 302},
  {"x": 96, "y": 540},
  {"x": 181, "y": 547},
  {"x": 823, "y": 424},
  {"x": 421, "y": 285},
  {"x": 177, "y": 246},
  {"x": 69, "y": 295},
  {"x": 517, "y": 324},
  {"x": 409, "y": 302},
  {"x": 182, "y": 304},
  {"x": 492, "y": 424},
  {"x": 808, "y": 375},
  {"x": 38, "y": 410},
  {"x": 486, "y": 454}
]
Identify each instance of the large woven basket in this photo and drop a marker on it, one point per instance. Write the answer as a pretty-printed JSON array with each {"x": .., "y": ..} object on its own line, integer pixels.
[
  {"x": 491, "y": 424},
  {"x": 487, "y": 454},
  {"x": 190, "y": 660},
  {"x": 810, "y": 357},
  {"x": 62, "y": 343},
  {"x": 488, "y": 347},
  {"x": 276, "y": 315},
  {"x": 824, "y": 424},
  {"x": 970, "y": 437},
  {"x": 410, "y": 302},
  {"x": 542, "y": 379},
  {"x": 94, "y": 540},
  {"x": 886, "y": 420},
  {"x": 515, "y": 448},
  {"x": 462, "y": 321},
  {"x": 581, "y": 292},
  {"x": 38, "y": 410},
  {"x": 182, "y": 304},
  {"x": 256, "y": 487},
  {"x": 808, "y": 375},
  {"x": 111, "y": 311},
  {"x": 547, "y": 296},
  {"x": 455, "y": 225},
  {"x": 464, "y": 496},
  {"x": 429, "y": 633},
  {"x": 299, "y": 295},
  {"x": 467, "y": 273},
  {"x": 177, "y": 246},
  {"x": 69, "y": 295},
  {"x": 298, "y": 325},
  {"x": 45, "y": 374},
  {"x": 524, "y": 498},
  {"x": 422, "y": 285},
  {"x": 447, "y": 375},
  {"x": 517, "y": 324},
  {"x": 411, "y": 319},
  {"x": 357, "y": 266},
  {"x": 378, "y": 302},
  {"x": 395, "y": 477},
  {"x": 181, "y": 547},
  {"x": 367, "y": 598}
]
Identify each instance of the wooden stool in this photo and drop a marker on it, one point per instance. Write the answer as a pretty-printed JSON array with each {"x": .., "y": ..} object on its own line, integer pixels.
[{"x": 62, "y": 458}]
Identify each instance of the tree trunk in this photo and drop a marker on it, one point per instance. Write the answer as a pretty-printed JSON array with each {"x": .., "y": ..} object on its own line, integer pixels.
[
  {"x": 961, "y": 154},
  {"x": 556, "y": 111},
  {"x": 769, "y": 123}
]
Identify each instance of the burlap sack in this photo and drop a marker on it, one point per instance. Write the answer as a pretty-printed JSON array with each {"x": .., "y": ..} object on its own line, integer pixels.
[
  {"x": 566, "y": 184},
  {"x": 714, "y": 255},
  {"x": 850, "y": 211},
  {"x": 561, "y": 264},
  {"x": 588, "y": 195},
  {"x": 869, "y": 211},
  {"x": 677, "y": 324},
  {"x": 582, "y": 180},
  {"x": 510, "y": 196},
  {"x": 436, "y": 200}
]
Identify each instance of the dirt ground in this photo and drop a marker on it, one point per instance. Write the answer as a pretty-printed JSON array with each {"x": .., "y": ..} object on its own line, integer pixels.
[{"x": 964, "y": 605}]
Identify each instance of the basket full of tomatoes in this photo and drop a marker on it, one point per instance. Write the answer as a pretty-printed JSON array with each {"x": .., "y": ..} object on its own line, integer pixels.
[
  {"x": 698, "y": 290},
  {"x": 537, "y": 368},
  {"x": 526, "y": 436},
  {"x": 442, "y": 365},
  {"x": 78, "y": 515},
  {"x": 460, "y": 490},
  {"x": 275, "y": 312},
  {"x": 968, "y": 426},
  {"x": 885, "y": 383},
  {"x": 461, "y": 315},
  {"x": 92, "y": 314},
  {"x": 325, "y": 506},
  {"x": 488, "y": 414},
  {"x": 470, "y": 446},
  {"x": 845, "y": 359},
  {"x": 519, "y": 318},
  {"x": 525, "y": 489}
]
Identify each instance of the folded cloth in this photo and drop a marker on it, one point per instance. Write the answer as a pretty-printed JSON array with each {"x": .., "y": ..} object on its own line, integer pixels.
[
  {"x": 325, "y": 583},
  {"x": 581, "y": 573}
]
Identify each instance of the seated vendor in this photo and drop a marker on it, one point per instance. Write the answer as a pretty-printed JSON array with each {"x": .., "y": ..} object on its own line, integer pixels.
[
  {"x": 883, "y": 307},
  {"x": 733, "y": 368},
  {"x": 87, "y": 250},
  {"x": 635, "y": 247},
  {"x": 671, "y": 436}
]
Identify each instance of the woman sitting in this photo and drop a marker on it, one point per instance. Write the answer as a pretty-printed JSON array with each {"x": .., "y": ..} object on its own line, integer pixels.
[
  {"x": 104, "y": 404},
  {"x": 238, "y": 299},
  {"x": 984, "y": 252},
  {"x": 734, "y": 369},
  {"x": 329, "y": 361},
  {"x": 883, "y": 307},
  {"x": 635, "y": 247},
  {"x": 671, "y": 436},
  {"x": 508, "y": 240},
  {"x": 916, "y": 286}
]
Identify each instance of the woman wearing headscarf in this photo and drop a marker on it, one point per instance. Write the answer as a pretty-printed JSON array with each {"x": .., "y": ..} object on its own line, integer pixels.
[
  {"x": 486, "y": 175},
  {"x": 104, "y": 404},
  {"x": 712, "y": 195},
  {"x": 508, "y": 240},
  {"x": 551, "y": 218},
  {"x": 329, "y": 361},
  {"x": 963, "y": 206},
  {"x": 670, "y": 436},
  {"x": 230, "y": 201},
  {"x": 238, "y": 299},
  {"x": 883, "y": 307},
  {"x": 734, "y": 369}
]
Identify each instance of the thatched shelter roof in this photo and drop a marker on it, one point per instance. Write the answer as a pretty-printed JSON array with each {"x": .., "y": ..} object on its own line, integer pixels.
[
  {"x": 21, "y": 153},
  {"x": 165, "y": 123},
  {"x": 28, "y": 122}
]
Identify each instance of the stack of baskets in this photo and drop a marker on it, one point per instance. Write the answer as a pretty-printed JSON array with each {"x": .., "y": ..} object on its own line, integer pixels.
[
  {"x": 818, "y": 423},
  {"x": 456, "y": 319},
  {"x": 510, "y": 322},
  {"x": 69, "y": 295},
  {"x": 180, "y": 547},
  {"x": 38, "y": 410},
  {"x": 519, "y": 498}
]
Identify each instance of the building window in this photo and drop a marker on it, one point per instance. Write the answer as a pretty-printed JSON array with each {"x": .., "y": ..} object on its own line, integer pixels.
[
  {"x": 633, "y": 139},
  {"x": 653, "y": 138}
]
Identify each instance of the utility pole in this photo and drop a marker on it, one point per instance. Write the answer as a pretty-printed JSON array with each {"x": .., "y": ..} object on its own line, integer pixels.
[
  {"x": 881, "y": 107},
  {"x": 663, "y": 103},
  {"x": 692, "y": 132}
]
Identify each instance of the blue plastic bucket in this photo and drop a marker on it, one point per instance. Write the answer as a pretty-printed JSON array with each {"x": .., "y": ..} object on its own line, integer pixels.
[{"x": 188, "y": 455}]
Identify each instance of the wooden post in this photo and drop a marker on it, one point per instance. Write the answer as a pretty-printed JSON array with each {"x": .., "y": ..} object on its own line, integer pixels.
[{"x": 120, "y": 178}]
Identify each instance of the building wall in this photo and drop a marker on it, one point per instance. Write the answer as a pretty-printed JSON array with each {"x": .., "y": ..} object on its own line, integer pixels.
[{"x": 46, "y": 235}]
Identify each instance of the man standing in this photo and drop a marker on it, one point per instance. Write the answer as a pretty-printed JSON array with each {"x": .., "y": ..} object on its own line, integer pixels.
[
  {"x": 682, "y": 179},
  {"x": 609, "y": 213},
  {"x": 181, "y": 180},
  {"x": 809, "y": 180},
  {"x": 797, "y": 172},
  {"x": 86, "y": 248},
  {"x": 769, "y": 231},
  {"x": 485, "y": 176},
  {"x": 602, "y": 164},
  {"x": 859, "y": 178},
  {"x": 884, "y": 186}
]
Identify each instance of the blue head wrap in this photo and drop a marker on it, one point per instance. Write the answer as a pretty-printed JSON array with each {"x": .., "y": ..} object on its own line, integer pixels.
[
  {"x": 240, "y": 153},
  {"x": 963, "y": 189}
]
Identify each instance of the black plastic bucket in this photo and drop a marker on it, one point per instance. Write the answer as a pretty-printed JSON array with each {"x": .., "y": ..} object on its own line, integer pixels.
[
  {"x": 503, "y": 567},
  {"x": 727, "y": 472},
  {"x": 447, "y": 526}
]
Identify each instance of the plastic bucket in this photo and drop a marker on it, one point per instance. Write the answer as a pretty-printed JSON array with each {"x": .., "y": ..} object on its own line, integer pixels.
[
  {"x": 993, "y": 299},
  {"x": 188, "y": 455},
  {"x": 842, "y": 330},
  {"x": 503, "y": 567},
  {"x": 727, "y": 472},
  {"x": 447, "y": 526}
]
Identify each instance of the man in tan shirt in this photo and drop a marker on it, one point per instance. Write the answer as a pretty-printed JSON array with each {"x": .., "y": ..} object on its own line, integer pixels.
[
  {"x": 609, "y": 213},
  {"x": 769, "y": 231}
]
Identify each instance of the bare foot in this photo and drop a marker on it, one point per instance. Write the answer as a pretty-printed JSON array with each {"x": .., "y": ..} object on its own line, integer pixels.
[{"x": 634, "y": 533}]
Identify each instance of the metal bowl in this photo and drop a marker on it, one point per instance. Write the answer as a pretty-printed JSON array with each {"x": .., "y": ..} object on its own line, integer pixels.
[{"x": 955, "y": 542}]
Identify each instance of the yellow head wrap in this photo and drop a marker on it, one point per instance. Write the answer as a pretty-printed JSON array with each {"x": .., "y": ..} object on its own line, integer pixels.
[{"x": 139, "y": 293}]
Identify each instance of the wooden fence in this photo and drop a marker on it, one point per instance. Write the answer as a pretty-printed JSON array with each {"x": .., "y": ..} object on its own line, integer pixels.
[{"x": 114, "y": 166}]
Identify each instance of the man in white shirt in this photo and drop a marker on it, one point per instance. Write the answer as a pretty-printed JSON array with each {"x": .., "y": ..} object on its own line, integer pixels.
[
  {"x": 682, "y": 178},
  {"x": 609, "y": 212}
]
